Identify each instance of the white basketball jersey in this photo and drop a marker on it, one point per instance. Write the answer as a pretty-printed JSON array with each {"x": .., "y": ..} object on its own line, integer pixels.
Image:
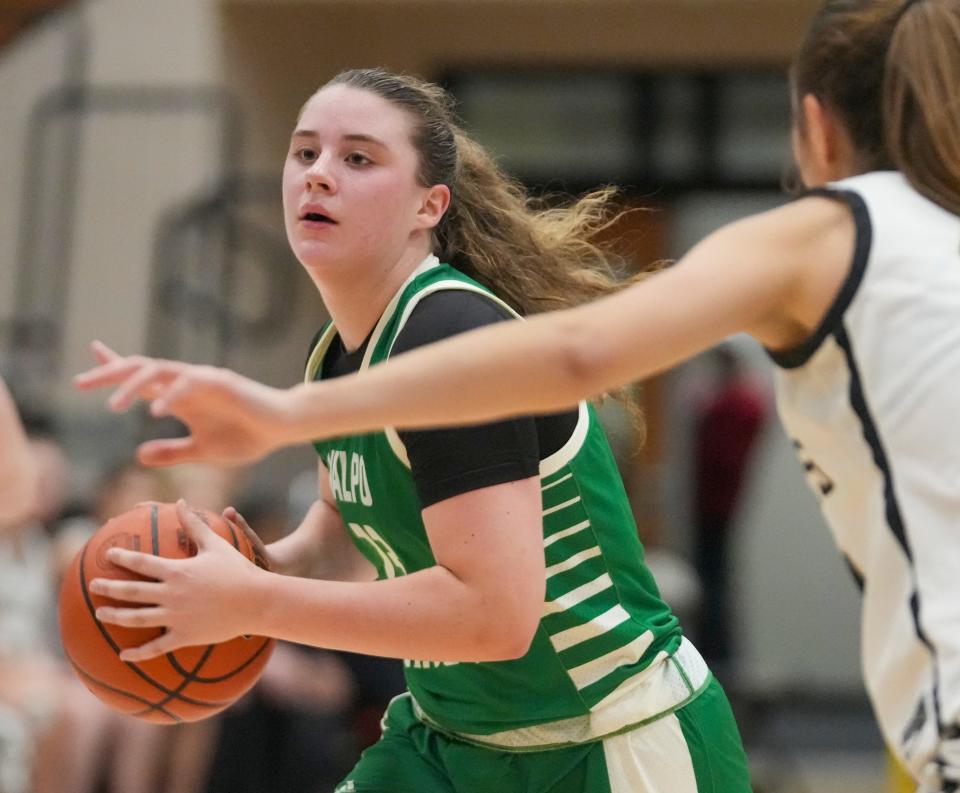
[{"x": 872, "y": 403}]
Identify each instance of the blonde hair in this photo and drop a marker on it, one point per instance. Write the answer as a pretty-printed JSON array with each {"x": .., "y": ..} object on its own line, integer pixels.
[{"x": 888, "y": 69}]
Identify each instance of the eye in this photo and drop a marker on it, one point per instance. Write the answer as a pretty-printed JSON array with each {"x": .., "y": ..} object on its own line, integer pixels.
[
  {"x": 306, "y": 155},
  {"x": 356, "y": 158}
]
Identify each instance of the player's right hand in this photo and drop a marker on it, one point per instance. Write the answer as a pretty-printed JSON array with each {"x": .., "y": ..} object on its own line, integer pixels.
[
  {"x": 261, "y": 552},
  {"x": 232, "y": 420}
]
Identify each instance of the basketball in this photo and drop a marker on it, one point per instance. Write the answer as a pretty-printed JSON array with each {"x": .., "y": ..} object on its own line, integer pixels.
[{"x": 188, "y": 684}]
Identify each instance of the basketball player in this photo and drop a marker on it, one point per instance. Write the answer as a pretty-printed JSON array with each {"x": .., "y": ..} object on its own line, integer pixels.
[
  {"x": 18, "y": 475},
  {"x": 855, "y": 290},
  {"x": 540, "y": 656}
]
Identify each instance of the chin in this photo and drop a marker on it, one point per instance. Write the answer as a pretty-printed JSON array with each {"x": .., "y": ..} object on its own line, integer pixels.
[
  {"x": 315, "y": 253},
  {"x": 319, "y": 264}
]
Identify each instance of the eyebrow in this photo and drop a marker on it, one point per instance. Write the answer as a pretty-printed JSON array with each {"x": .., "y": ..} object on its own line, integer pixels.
[{"x": 352, "y": 136}]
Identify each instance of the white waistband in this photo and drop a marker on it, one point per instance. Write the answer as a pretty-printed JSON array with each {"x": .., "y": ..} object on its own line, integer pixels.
[{"x": 668, "y": 684}]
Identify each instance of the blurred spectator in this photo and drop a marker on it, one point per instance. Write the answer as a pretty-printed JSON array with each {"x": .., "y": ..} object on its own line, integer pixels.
[
  {"x": 728, "y": 422},
  {"x": 677, "y": 581},
  {"x": 51, "y": 728}
]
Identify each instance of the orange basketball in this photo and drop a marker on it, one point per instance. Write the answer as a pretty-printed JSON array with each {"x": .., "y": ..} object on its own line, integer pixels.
[{"x": 185, "y": 685}]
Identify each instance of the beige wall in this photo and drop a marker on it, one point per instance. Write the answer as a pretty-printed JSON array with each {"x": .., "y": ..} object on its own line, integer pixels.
[
  {"x": 131, "y": 169},
  {"x": 278, "y": 51}
]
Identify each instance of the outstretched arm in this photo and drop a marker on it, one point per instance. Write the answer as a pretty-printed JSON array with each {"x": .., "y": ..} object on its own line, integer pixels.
[
  {"x": 772, "y": 275},
  {"x": 18, "y": 476}
]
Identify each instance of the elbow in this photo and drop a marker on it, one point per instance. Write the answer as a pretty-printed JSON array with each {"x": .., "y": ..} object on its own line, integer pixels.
[
  {"x": 580, "y": 362},
  {"x": 518, "y": 647},
  {"x": 511, "y": 638}
]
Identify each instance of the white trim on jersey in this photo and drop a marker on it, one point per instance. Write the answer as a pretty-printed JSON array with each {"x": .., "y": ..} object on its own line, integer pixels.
[
  {"x": 427, "y": 264},
  {"x": 549, "y": 465}
]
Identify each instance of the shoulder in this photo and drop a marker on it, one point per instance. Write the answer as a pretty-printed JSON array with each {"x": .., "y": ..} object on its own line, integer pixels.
[
  {"x": 448, "y": 312},
  {"x": 819, "y": 242},
  {"x": 801, "y": 223},
  {"x": 778, "y": 271}
]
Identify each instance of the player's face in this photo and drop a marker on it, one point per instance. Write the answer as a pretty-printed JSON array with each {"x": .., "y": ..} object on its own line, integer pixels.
[{"x": 350, "y": 192}]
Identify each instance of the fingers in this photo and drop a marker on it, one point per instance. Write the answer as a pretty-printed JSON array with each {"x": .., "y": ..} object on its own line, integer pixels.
[
  {"x": 101, "y": 352},
  {"x": 260, "y": 554},
  {"x": 196, "y": 527},
  {"x": 135, "y": 376},
  {"x": 165, "y": 401},
  {"x": 141, "y": 382},
  {"x": 128, "y": 591},
  {"x": 108, "y": 373},
  {"x": 144, "y": 563},
  {"x": 142, "y": 617},
  {"x": 168, "y": 451},
  {"x": 166, "y": 643}
]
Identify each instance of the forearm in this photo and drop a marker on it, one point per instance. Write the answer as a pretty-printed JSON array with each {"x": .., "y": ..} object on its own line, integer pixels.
[
  {"x": 18, "y": 477},
  {"x": 553, "y": 360},
  {"x": 320, "y": 548},
  {"x": 477, "y": 376},
  {"x": 18, "y": 493},
  {"x": 428, "y": 615},
  {"x": 296, "y": 553}
]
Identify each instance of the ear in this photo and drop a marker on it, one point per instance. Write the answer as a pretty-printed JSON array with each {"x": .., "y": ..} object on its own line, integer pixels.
[
  {"x": 435, "y": 202},
  {"x": 820, "y": 133},
  {"x": 830, "y": 151}
]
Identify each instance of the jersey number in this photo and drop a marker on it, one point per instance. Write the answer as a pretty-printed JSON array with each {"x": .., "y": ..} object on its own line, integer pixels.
[
  {"x": 815, "y": 473},
  {"x": 392, "y": 566}
]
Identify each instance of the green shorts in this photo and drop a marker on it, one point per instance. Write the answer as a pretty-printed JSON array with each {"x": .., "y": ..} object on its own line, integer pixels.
[{"x": 695, "y": 749}]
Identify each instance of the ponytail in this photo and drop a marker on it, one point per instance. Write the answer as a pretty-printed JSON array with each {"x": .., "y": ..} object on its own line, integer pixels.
[
  {"x": 536, "y": 257},
  {"x": 921, "y": 100},
  {"x": 890, "y": 70}
]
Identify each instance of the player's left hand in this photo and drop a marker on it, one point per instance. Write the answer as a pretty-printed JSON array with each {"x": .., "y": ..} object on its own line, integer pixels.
[
  {"x": 232, "y": 419},
  {"x": 197, "y": 600}
]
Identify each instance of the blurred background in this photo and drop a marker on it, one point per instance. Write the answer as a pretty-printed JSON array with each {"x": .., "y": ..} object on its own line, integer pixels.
[{"x": 140, "y": 160}]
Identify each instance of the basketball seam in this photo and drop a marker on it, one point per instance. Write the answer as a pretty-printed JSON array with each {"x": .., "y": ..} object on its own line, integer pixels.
[
  {"x": 135, "y": 697},
  {"x": 192, "y": 676},
  {"x": 176, "y": 665},
  {"x": 116, "y": 647}
]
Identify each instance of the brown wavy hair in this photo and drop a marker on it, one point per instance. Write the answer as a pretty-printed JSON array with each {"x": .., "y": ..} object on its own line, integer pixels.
[
  {"x": 534, "y": 253},
  {"x": 888, "y": 69}
]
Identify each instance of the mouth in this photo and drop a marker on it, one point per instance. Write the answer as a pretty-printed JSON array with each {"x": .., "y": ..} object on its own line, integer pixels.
[{"x": 317, "y": 217}]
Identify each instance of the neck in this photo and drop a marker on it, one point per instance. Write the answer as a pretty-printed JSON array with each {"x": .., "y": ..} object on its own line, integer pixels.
[{"x": 357, "y": 303}]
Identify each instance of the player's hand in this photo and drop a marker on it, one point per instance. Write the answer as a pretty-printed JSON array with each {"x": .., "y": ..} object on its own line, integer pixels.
[
  {"x": 232, "y": 420},
  {"x": 197, "y": 600},
  {"x": 262, "y": 556}
]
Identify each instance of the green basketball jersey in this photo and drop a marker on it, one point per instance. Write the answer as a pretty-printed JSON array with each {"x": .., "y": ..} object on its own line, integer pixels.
[{"x": 603, "y": 619}]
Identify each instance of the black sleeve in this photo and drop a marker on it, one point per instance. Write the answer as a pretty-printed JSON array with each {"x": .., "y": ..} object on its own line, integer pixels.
[{"x": 447, "y": 462}]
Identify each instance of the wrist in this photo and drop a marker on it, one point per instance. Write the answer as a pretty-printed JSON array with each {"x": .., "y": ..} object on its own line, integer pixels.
[
  {"x": 257, "y": 593},
  {"x": 303, "y": 414}
]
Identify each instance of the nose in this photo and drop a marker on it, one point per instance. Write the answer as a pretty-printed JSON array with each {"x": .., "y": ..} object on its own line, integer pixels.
[{"x": 318, "y": 176}]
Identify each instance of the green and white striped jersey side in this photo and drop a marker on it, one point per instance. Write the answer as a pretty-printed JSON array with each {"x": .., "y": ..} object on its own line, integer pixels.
[{"x": 603, "y": 623}]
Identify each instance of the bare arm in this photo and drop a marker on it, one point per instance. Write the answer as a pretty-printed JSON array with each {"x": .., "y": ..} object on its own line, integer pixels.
[
  {"x": 458, "y": 610},
  {"x": 320, "y": 547},
  {"x": 773, "y": 275},
  {"x": 18, "y": 475}
]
